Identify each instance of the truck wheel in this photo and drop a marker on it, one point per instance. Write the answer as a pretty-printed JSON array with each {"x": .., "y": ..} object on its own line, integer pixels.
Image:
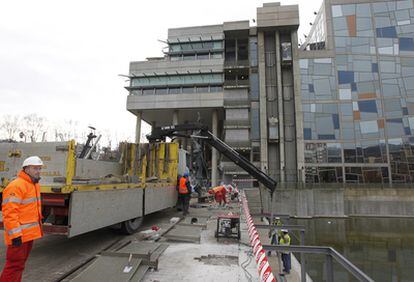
[{"x": 131, "y": 226}]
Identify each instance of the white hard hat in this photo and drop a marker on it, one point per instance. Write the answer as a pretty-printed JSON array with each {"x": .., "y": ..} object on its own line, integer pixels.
[
  {"x": 33, "y": 160},
  {"x": 284, "y": 230}
]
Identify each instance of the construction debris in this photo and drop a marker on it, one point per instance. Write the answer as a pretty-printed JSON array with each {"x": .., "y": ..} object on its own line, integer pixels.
[{"x": 174, "y": 220}]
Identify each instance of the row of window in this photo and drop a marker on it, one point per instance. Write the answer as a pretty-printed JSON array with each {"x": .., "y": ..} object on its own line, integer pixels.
[
  {"x": 192, "y": 46},
  {"x": 198, "y": 56},
  {"x": 180, "y": 79},
  {"x": 178, "y": 90}
]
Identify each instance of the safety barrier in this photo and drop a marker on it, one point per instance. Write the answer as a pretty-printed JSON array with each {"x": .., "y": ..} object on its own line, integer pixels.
[{"x": 265, "y": 271}]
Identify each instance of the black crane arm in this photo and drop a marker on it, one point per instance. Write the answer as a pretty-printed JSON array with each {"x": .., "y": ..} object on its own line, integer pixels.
[{"x": 160, "y": 133}]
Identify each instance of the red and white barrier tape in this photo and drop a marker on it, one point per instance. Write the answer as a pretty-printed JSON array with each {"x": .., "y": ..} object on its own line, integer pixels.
[{"x": 264, "y": 269}]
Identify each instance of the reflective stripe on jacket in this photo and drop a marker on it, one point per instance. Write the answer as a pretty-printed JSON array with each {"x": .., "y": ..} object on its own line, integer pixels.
[
  {"x": 182, "y": 187},
  {"x": 22, "y": 209}
]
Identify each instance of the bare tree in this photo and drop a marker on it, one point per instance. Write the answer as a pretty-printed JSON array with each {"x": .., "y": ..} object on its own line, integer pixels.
[
  {"x": 34, "y": 127},
  {"x": 10, "y": 126}
]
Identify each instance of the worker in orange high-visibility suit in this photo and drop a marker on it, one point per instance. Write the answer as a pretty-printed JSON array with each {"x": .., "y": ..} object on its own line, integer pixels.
[
  {"x": 219, "y": 194},
  {"x": 184, "y": 193},
  {"x": 22, "y": 218}
]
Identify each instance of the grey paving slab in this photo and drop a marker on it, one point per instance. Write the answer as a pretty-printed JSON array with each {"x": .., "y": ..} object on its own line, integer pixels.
[
  {"x": 140, "y": 273},
  {"x": 201, "y": 221},
  {"x": 140, "y": 248},
  {"x": 106, "y": 268},
  {"x": 184, "y": 233}
]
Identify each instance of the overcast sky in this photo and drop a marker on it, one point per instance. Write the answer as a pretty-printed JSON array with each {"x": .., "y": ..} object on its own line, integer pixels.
[{"x": 61, "y": 59}]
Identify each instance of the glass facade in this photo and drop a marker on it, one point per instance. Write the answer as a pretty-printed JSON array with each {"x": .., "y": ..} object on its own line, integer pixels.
[
  {"x": 358, "y": 110},
  {"x": 195, "y": 50}
]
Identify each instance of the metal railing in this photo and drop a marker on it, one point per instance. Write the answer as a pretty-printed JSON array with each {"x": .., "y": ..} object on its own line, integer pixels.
[
  {"x": 329, "y": 253},
  {"x": 301, "y": 230}
]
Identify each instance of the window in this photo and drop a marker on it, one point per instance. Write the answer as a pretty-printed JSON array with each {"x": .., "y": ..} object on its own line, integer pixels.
[
  {"x": 196, "y": 78},
  {"x": 203, "y": 56},
  {"x": 242, "y": 52},
  {"x": 369, "y": 127},
  {"x": 136, "y": 92},
  {"x": 188, "y": 57},
  {"x": 345, "y": 77},
  {"x": 188, "y": 90},
  {"x": 230, "y": 50},
  {"x": 323, "y": 174},
  {"x": 217, "y": 55},
  {"x": 202, "y": 89},
  {"x": 175, "y": 57},
  {"x": 217, "y": 44},
  {"x": 216, "y": 88},
  {"x": 387, "y": 32},
  {"x": 406, "y": 44},
  {"x": 174, "y": 90},
  {"x": 367, "y": 106},
  {"x": 161, "y": 91},
  {"x": 149, "y": 91}
]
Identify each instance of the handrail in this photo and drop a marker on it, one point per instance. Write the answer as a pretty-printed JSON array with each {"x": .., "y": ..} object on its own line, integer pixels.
[{"x": 330, "y": 253}]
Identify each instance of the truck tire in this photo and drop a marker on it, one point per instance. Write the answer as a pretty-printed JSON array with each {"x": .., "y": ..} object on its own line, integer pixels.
[{"x": 131, "y": 226}]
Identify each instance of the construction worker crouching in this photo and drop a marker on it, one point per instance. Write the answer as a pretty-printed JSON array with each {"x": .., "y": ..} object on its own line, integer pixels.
[
  {"x": 184, "y": 193},
  {"x": 22, "y": 218},
  {"x": 284, "y": 240},
  {"x": 219, "y": 194}
]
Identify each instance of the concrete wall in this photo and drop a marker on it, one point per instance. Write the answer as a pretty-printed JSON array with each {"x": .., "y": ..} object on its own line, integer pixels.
[
  {"x": 167, "y": 67},
  {"x": 309, "y": 202},
  {"x": 237, "y": 114},
  {"x": 386, "y": 202},
  {"x": 175, "y": 101},
  {"x": 233, "y": 95},
  {"x": 327, "y": 202},
  {"x": 271, "y": 15},
  {"x": 237, "y": 135}
]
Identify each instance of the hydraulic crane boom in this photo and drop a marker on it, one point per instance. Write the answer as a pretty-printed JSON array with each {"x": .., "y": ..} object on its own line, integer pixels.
[{"x": 202, "y": 132}]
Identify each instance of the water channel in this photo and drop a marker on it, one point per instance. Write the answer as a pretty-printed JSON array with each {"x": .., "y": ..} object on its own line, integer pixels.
[{"x": 382, "y": 247}]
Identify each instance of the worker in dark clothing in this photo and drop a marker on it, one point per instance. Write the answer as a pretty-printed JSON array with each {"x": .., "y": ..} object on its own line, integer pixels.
[
  {"x": 275, "y": 233},
  {"x": 184, "y": 193}
]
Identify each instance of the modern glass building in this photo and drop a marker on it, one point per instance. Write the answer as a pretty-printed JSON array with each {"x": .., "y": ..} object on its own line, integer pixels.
[
  {"x": 357, "y": 92},
  {"x": 337, "y": 109}
]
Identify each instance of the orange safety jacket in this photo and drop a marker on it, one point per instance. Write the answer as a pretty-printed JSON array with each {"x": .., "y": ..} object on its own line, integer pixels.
[
  {"x": 22, "y": 209},
  {"x": 182, "y": 187},
  {"x": 220, "y": 189}
]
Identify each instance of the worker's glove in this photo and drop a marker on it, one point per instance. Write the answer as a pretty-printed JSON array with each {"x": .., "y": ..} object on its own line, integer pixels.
[{"x": 17, "y": 242}]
